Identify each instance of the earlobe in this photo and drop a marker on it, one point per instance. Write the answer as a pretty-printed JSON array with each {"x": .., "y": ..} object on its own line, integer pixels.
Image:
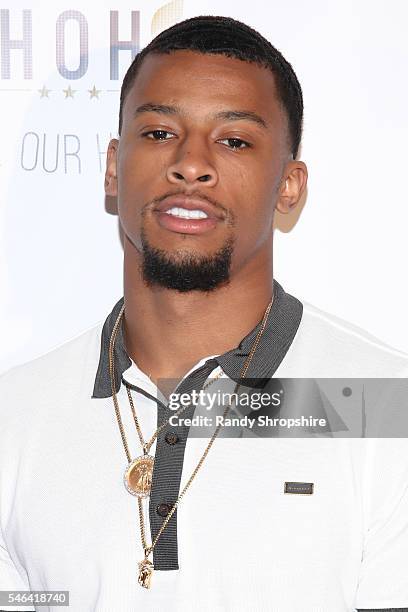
[
  {"x": 292, "y": 187},
  {"x": 111, "y": 182}
]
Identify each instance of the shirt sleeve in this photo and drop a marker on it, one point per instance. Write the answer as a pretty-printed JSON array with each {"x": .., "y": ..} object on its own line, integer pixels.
[
  {"x": 383, "y": 579},
  {"x": 10, "y": 579}
]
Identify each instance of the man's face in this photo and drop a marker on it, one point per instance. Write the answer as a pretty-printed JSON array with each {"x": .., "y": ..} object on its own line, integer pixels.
[{"x": 200, "y": 133}]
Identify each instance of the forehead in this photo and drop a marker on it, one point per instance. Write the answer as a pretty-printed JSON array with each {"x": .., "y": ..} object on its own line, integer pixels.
[{"x": 204, "y": 83}]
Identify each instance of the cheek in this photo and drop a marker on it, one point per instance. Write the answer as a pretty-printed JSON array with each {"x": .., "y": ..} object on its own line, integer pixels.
[
  {"x": 255, "y": 192},
  {"x": 140, "y": 179},
  {"x": 138, "y": 170}
]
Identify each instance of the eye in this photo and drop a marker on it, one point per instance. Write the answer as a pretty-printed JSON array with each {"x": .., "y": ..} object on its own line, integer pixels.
[
  {"x": 158, "y": 135},
  {"x": 235, "y": 143}
]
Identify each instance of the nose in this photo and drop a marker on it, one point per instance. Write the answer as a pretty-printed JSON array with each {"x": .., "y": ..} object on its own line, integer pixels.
[{"x": 192, "y": 164}]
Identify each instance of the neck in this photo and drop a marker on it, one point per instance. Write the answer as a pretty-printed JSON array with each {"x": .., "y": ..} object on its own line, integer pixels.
[{"x": 166, "y": 332}]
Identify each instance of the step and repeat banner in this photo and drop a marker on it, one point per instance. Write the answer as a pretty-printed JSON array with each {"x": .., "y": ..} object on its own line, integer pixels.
[{"x": 62, "y": 65}]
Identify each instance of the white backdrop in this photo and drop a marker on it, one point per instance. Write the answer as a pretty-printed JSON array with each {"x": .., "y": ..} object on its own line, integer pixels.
[{"x": 61, "y": 257}]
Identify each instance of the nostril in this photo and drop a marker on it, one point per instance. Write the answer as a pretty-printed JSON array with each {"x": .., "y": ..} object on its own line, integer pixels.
[
  {"x": 204, "y": 178},
  {"x": 178, "y": 175}
]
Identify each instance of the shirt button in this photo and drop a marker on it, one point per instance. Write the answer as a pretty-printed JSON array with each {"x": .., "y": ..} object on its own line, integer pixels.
[
  {"x": 163, "y": 509},
  {"x": 171, "y": 438}
]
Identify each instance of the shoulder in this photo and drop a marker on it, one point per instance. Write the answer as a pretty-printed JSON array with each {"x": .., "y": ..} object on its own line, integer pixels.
[
  {"x": 64, "y": 370},
  {"x": 335, "y": 347}
]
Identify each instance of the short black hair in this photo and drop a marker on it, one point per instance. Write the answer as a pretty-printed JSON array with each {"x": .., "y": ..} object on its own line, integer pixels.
[{"x": 232, "y": 38}]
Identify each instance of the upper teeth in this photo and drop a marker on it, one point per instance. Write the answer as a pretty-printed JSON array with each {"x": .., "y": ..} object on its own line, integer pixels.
[{"x": 186, "y": 214}]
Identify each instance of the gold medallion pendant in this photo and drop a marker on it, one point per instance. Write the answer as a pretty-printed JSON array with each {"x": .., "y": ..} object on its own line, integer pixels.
[
  {"x": 145, "y": 573},
  {"x": 138, "y": 476}
]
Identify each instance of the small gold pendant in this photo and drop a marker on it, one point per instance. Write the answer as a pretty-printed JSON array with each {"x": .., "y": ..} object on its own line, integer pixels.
[
  {"x": 138, "y": 476},
  {"x": 145, "y": 573}
]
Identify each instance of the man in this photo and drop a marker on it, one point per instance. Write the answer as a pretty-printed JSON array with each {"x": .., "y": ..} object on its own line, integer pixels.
[{"x": 210, "y": 127}]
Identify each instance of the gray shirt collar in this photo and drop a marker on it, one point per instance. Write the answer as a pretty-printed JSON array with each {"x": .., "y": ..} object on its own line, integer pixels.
[{"x": 282, "y": 325}]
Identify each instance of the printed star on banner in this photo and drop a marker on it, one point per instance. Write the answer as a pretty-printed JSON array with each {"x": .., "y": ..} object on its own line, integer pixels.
[
  {"x": 44, "y": 92},
  {"x": 69, "y": 93},
  {"x": 94, "y": 92}
]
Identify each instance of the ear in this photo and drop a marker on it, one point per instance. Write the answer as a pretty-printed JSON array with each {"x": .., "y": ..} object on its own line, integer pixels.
[
  {"x": 292, "y": 186},
  {"x": 111, "y": 181}
]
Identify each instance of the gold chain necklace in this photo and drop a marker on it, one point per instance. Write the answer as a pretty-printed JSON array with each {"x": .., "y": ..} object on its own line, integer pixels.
[
  {"x": 145, "y": 566},
  {"x": 138, "y": 474}
]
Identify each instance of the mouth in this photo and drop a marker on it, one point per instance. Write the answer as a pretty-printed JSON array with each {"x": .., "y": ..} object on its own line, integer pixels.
[{"x": 187, "y": 215}]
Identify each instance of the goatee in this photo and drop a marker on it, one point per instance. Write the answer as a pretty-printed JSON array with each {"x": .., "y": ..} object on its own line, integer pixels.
[{"x": 186, "y": 271}]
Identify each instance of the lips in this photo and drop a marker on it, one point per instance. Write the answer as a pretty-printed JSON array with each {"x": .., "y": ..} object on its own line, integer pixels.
[
  {"x": 183, "y": 225},
  {"x": 189, "y": 203}
]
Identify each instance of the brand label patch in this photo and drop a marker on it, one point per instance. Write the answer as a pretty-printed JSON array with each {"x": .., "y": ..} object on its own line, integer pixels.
[{"x": 301, "y": 488}]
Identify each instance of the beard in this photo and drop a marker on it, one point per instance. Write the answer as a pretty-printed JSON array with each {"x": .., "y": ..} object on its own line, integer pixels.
[{"x": 186, "y": 271}]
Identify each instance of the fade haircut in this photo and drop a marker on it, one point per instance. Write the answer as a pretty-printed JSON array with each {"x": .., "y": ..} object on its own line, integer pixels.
[{"x": 232, "y": 38}]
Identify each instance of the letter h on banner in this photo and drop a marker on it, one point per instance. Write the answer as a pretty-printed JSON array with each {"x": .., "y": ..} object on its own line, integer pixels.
[
  {"x": 117, "y": 45},
  {"x": 25, "y": 43}
]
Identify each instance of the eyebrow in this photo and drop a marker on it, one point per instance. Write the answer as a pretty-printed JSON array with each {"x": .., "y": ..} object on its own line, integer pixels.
[
  {"x": 237, "y": 115},
  {"x": 149, "y": 107},
  {"x": 228, "y": 115}
]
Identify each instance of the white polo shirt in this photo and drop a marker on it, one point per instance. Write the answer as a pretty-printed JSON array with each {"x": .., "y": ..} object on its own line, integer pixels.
[{"x": 68, "y": 523}]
